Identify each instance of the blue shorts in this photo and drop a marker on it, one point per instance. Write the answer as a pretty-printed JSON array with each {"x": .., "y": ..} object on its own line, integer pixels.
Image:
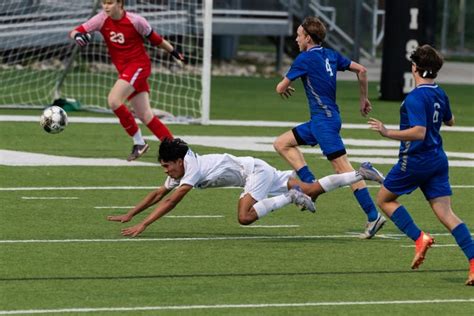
[
  {"x": 432, "y": 179},
  {"x": 322, "y": 133}
]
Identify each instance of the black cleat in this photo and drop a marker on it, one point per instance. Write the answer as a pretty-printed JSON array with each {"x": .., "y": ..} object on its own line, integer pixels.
[{"x": 138, "y": 151}]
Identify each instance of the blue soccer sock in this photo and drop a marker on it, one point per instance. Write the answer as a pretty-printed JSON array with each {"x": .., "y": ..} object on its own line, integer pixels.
[
  {"x": 405, "y": 223},
  {"x": 365, "y": 201},
  {"x": 306, "y": 175},
  {"x": 463, "y": 238}
]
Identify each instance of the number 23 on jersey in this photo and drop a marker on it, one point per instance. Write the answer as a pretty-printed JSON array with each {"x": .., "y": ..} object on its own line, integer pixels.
[{"x": 117, "y": 37}]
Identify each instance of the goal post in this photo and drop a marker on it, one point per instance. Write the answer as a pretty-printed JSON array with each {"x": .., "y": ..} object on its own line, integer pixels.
[{"x": 39, "y": 63}]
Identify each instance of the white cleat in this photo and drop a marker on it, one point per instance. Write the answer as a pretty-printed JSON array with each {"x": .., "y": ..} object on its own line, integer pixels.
[
  {"x": 371, "y": 228},
  {"x": 301, "y": 199},
  {"x": 368, "y": 172}
]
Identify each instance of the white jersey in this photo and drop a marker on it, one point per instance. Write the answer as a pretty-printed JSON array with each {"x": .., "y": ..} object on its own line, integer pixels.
[{"x": 213, "y": 171}]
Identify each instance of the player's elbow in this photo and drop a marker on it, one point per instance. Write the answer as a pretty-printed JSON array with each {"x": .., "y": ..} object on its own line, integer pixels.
[
  {"x": 450, "y": 122},
  {"x": 419, "y": 133},
  {"x": 362, "y": 72},
  {"x": 245, "y": 219}
]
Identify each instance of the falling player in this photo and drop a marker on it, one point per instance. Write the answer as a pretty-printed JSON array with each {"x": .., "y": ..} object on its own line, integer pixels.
[
  {"x": 422, "y": 161},
  {"x": 124, "y": 33},
  {"x": 186, "y": 171}
]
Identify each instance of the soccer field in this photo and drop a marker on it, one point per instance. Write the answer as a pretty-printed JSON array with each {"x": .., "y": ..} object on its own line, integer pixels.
[{"x": 60, "y": 256}]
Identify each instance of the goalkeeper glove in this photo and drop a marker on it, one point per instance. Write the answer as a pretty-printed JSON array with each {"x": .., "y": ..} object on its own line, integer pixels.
[
  {"x": 178, "y": 57},
  {"x": 82, "y": 39}
]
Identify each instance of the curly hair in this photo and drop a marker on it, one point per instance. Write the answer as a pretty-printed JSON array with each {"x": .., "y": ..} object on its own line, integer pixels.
[
  {"x": 427, "y": 61},
  {"x": 172, "y": 149}
]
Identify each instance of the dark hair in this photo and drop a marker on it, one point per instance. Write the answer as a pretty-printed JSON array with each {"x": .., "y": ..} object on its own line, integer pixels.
[
  {"x": 172, "y": 149},
  {"x": 314, "y": 28},
  {"x": 427, "y": 61}
]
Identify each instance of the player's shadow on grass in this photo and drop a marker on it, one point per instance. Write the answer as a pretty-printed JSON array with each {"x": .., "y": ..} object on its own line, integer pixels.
[{"x": 221, "y": 275}]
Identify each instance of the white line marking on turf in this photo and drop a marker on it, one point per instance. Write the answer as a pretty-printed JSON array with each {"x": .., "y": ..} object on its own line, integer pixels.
[
  {"x": 32, "y": 241},
  {"x": 435, "y": 245},
  {"x": 114, "y": 120},
  {"x": 470, "y": 186},
  {"x": 229, "y": 306},
  {"x": 169, "y": 216},
  {"x": 382, "y": 236},
  {"x": 76, "y": 188},
  {"x": 49, "y": 198},
  {"x": 270, "y": 226}
]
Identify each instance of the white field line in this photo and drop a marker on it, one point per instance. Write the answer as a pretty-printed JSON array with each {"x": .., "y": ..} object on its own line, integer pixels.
[
  {"x": 114, "y": 120},
  {"x": 49, "y": 198},
  {"x": 33, "y": 241},
  {"x": 348, "y": 235},
  {"x": 230, "y": 306},
  {"x": 76, "y": 188},
  {"x": 434, "y": 246},
  {"x": 469, "y": 186}
]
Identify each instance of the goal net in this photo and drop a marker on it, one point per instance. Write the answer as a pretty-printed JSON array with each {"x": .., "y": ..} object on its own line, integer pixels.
[{"x": 39, "y": 63}]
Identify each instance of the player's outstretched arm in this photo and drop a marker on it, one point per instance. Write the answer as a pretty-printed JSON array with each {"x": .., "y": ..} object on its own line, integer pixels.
[
  {"x": 164, "y": 207},
  {"x": 410, "y": 134},
  {"x": 361, "y": 72},
  {"x": 151, "y": 199},
  {"x": 284, "y": 89}
]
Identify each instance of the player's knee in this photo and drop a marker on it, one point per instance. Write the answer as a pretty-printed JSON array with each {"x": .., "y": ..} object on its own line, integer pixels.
[
  {"x": 380, "y": 202},
  {"x": 278, "y": 145},
  {"x": 113, "y": 102}
]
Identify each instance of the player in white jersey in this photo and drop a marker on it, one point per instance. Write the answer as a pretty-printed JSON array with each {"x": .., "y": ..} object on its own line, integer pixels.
[{"x": 187, "y": 170}]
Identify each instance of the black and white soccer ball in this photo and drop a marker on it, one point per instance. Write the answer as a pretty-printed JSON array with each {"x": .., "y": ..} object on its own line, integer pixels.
[{"x": 54, "y": 119}]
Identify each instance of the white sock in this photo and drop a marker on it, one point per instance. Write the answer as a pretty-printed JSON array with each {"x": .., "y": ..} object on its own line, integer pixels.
[
  {"x": 138, "y": 138},
  {"x": 335, "y": 181},
  {"x": 267, "y": 205}
]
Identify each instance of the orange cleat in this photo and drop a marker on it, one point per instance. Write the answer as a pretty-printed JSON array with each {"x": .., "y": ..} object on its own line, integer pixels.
[
  {"x": 470, "y": 278},
  {"x": 422, "y": 244}
]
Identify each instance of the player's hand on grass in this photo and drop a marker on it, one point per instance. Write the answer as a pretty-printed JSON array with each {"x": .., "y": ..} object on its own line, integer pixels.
[
  {"x": 365, "y": 107},
  {"x": 287, "y": 93},
  {"x": 378, "y": 126},
  {"x": 134, "y": 230},
  {"x": 178, "y": 57},
  {"x": 82, "y": 39},
  {"x": 119, "y": 218}
]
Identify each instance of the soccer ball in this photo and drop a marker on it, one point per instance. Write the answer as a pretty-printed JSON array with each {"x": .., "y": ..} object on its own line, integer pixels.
[{"x": 54, "y": 119}]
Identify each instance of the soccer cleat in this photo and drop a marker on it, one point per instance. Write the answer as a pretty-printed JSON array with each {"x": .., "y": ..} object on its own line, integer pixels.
[
  {"x": 371, "y": 228},
  {"x": 300, "y": 199},
  {"x": 138, "y": 151},
  {"x": 470, "y": 278},
  {"x": 368, "y": 172},
  {"x": 422, "y": 244}
]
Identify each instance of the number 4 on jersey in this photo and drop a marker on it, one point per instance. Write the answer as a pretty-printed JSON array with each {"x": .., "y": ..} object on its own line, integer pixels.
[{"x": 328, "y": 67}]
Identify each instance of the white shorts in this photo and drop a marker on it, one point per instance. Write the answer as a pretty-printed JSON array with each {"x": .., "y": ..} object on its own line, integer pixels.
[{"x": 266, "y": 181}]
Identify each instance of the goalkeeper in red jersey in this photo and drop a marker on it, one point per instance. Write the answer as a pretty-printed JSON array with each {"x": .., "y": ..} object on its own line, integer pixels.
[{"x": 125, "y": 33}]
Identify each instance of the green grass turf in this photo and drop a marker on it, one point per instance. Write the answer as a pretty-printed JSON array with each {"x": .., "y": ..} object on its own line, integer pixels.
[{"x": 209, "y": 272}]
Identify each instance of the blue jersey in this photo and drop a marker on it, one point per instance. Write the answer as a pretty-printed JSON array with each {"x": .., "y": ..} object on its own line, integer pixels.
[
  {"x": 427, "y": 105},
  {"x": 317, "y": 68}
]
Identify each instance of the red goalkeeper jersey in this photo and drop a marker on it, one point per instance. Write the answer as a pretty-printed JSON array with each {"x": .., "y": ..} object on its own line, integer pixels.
[{"x": 124, "y": 37}]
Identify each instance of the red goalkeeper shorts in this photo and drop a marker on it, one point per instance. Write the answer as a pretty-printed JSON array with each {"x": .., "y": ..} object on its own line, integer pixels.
[{"x": 137, "y": 75}]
